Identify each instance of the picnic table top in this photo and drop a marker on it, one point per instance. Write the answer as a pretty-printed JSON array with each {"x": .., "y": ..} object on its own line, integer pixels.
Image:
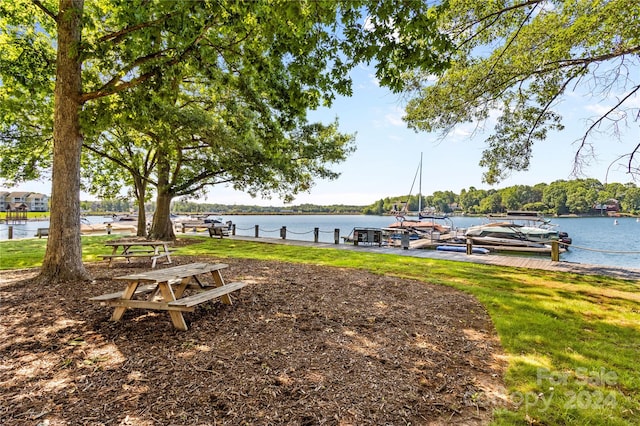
[
  {"x": 176, "y": 272},
  {"x": 136, "y": 242}
]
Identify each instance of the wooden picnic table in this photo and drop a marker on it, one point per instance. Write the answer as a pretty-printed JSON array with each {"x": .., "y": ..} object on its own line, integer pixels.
[
  {"x": 163, "y": 289},
  {"x": 153, "y": 249}
]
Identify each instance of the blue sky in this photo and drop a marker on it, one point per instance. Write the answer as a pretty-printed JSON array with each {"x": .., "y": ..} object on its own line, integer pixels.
[{"x": 388, "y": 153}]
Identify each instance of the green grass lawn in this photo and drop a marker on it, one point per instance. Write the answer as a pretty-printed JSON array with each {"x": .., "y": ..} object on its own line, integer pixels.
[{"x": 572, "y": 342}]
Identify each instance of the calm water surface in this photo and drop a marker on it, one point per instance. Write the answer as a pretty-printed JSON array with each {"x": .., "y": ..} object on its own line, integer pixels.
[{"x": 595, "y": 240}]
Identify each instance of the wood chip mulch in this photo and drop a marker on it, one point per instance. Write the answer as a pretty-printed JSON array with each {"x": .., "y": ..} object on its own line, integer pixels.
[{"x": 301, "y": 345}]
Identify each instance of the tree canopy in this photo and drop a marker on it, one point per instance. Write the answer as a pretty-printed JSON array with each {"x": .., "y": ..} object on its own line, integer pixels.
[
  {"x": 207, "y": 133},
  {"x": 518, "y": 59}
]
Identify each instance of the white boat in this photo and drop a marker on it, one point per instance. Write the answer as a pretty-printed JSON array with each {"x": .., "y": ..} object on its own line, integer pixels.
[
  {"x": 124, "y": 218},
  {"x": 517, "y": 228},
  {"x": 181, "y": 218},
  {"x": 216, "y": 220},
  {"x": 504, "y": 235},
  {"x": 199, "y": 223}
]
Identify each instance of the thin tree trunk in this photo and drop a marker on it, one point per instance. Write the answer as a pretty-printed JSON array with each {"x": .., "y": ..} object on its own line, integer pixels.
[
  {"x": 63, "y": 258},
  {"x": 141, "y": 193}
]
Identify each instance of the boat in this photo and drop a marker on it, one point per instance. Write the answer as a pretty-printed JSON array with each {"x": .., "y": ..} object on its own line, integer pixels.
[
  {"x": 375, "y": 236},
  {"x": 402, "y": 212},
  {"x": 175, "y": 218},
  {"x": 420, "y": 224},
  {"x": 435, "y": 229},
  {"x": 88, "y": 228},
  {"x": 517, "y": 228},
  {"x": 215, "y": 220},
  {"x": 198, "y": 223},
  {"x": 124, "y": 218},
  {"x": 463, "y": 249}
]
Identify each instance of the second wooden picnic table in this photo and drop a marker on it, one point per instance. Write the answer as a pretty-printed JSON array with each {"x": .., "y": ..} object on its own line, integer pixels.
[
  {"x": 153, "y": 249},
  {"x": 164, "y": 289}
]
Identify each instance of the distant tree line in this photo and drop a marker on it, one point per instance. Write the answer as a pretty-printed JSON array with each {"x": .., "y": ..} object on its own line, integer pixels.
[
  {"x": 107, "y": 206},
  {"x": 193, "y": 207},
  {"x": 580, "y": 196},
  {"x": 190, "y": 207}
]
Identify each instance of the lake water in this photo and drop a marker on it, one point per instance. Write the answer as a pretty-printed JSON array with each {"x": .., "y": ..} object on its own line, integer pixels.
[{"x": 596, "y": 240}]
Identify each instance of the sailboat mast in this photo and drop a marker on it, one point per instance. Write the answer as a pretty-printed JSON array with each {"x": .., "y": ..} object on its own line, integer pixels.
[{"x": 420, "y": 188}]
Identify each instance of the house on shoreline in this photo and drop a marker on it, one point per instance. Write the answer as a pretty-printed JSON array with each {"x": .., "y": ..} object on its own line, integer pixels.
[{"x": 32, "y": 201}]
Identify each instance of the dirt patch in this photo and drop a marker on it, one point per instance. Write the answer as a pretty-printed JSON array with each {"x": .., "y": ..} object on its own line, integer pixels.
[{"x": 301, "y": 345}]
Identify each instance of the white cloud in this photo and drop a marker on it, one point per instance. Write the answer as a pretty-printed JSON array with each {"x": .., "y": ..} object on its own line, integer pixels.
[
  {"x": 461, "y": 132},
  {"x": 395, "y": 118},
  {"x": 374, "y": 80},
  {"x": 598, "y": 109}
]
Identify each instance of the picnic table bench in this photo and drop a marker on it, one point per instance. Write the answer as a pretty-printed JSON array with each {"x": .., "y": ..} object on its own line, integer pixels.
[
  {"x": 154, "y": 250},
  {"x": 163, "y": 289}
]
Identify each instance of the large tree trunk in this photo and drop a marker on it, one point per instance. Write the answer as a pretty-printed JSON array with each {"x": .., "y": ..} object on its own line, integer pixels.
[
  {"x": 63, "y": 258},
  {"x": 162, "y": 228}
]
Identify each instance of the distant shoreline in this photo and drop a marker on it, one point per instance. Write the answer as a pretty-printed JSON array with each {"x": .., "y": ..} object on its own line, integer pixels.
[{"x": 281, "y": 213}]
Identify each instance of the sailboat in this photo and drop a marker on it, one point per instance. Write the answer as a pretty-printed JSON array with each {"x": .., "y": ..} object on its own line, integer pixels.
[
  {"x": 403, "y": 212},
  {"x": 418, "y": 227}
]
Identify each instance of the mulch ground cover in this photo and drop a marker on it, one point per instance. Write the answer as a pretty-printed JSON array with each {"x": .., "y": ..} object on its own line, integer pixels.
[{"x": 301, "y": 345}]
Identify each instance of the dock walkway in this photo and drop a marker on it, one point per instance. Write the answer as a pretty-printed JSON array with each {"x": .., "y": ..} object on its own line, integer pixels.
[{"x": 486, "y": 259}]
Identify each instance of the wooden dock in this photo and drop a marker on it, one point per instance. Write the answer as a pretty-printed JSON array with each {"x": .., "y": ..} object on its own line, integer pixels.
[
  {"x": 523, "y": 250},
  {"x": 528, "y": 262}
]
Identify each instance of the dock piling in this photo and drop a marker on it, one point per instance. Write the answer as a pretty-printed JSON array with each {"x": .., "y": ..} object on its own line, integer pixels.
[{"x": 555, "y": 251}]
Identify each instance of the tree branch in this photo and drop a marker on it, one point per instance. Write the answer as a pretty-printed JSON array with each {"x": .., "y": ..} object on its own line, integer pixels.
[
  {"x": 110, "y": 157},
  {"x": 110, "y": 90},
  {"x": 118, "y": 36},
  {"x": 596, "y": 123},
  {"x": 113, "y": 86},
  {"x": 503, "y": 86},
  {"x": 494, "y": 17},
  {"x": 511, "y": 40},
  {"x": 187, "y": 189},
  {"x": 47, "y": 12},
  {"x": 586, "y": 61},
  {"x": 633, "y": 154}
]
